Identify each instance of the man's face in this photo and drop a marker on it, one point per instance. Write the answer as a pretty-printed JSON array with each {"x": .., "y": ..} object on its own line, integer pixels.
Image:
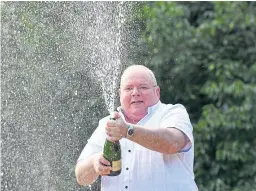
[{"x": 137, "y": 93}]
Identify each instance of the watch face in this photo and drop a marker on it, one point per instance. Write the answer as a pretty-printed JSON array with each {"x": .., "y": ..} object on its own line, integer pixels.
[{"x": 130, "y": 131}]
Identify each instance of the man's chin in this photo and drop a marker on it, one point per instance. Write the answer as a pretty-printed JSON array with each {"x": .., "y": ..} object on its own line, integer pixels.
[{"x": 138, "y": 111}]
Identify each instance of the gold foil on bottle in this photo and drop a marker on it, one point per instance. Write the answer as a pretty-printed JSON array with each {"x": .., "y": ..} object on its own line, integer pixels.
[{"x": 116, "y": 165}]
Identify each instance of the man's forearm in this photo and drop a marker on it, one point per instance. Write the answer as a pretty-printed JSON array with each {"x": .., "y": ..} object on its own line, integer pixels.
[
  {"x": 85, "y": 173},
  {"x": 163, "y": 140}
]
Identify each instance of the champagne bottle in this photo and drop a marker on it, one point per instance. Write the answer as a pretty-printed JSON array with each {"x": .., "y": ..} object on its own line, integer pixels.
[{"x": 112, "y": 152}]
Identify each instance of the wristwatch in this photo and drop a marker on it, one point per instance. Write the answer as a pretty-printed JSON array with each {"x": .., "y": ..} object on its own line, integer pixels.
[{"x": 130, "y": 131}]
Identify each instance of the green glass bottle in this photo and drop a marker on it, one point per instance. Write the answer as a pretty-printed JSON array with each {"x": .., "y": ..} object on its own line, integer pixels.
[{"x": 112, "y": 152}]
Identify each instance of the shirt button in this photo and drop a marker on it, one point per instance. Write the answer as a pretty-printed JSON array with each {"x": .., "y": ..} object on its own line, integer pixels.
[
  {"x": 127, "y": 168},
  {"x": 126, "y": 187},
  {"x": 129, "y": 150}
]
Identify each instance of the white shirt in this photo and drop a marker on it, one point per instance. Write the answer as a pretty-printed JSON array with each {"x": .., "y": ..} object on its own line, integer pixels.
[{"x": 144, "y": 169}]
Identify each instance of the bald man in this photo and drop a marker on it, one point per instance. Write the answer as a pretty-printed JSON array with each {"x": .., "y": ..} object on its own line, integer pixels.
[{"x": 156, "y": 139}]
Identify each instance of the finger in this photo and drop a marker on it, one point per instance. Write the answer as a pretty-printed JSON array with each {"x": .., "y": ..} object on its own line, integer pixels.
[
  {"x": 115, "y": 134},
  {"x": 115, "y": 138},
  {"x": 105, "y": 173},
  {"x": 109, "y": 138},
  {"x": 112, "y": 139},
  {"x": 104, "y": 162},
  {"x": 109, "y": 133},
  {"x": 112, "y": 136},
  {"x": 104, "y": 169},
  {"x": 110, "y": 124},
  {"x": 116, "y": 115}
]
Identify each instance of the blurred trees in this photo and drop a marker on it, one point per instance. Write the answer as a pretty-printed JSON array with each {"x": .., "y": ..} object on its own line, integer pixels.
[{"x": 204, "y": 56}]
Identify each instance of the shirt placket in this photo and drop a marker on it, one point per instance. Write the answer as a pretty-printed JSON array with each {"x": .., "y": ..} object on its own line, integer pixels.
[{"x": 127, "y": 165}]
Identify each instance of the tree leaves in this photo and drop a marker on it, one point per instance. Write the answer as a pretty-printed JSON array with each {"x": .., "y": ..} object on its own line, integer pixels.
[{"x": 204, "y": 58}]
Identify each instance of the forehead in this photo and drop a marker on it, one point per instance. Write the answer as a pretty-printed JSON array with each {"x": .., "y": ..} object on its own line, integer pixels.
[{"x": 136, "y": 77}]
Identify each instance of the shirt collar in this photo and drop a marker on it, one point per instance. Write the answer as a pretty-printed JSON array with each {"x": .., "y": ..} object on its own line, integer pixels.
[{"x": 152, "y": 108}]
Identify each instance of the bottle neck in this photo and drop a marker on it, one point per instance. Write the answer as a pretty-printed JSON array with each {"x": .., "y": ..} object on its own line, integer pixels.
[{"x": 112, "y": 141}]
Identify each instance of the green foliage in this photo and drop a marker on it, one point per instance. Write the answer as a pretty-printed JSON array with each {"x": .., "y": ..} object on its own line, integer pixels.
[{"x": 204, "y": 57}]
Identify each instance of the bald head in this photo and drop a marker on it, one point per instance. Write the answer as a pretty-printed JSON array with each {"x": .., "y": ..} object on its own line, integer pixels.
[{"x": 139, "y": 69}]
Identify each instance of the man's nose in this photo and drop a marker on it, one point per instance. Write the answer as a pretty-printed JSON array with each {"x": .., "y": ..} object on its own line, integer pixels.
[{"x": 135, "y": 91}]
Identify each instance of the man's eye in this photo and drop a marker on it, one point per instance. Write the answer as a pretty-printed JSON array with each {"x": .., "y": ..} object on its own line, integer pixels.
[
  {"x": 128, "y": 89},
  {"x": 143, "y": 88}
]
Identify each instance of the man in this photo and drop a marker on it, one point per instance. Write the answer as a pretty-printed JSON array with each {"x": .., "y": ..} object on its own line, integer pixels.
[{"x": 157, "y": 150}]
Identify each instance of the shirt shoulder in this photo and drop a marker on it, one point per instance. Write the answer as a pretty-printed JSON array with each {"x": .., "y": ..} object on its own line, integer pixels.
[
  {"x": 172, "y": 108},
  {"x": 177, "y": 116},
  {"x": 104, "y": 120}
]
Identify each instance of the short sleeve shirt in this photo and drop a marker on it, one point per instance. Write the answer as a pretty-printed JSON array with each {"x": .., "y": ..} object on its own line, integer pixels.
[{"x": 144, "y": 169}]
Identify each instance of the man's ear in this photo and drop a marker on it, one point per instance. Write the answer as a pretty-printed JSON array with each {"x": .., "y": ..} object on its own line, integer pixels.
[
  {"x": 119, "y": 92},
  {"x": 158, "y": 91}
]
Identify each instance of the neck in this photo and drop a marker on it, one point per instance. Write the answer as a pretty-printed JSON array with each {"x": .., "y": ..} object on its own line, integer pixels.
[{"x": 133, "y": 119}]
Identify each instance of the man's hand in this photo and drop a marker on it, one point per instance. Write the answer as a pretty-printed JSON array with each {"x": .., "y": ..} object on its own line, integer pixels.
[
  {"x": 116, "y": 129},
  {"x": 101, "y": 165}
]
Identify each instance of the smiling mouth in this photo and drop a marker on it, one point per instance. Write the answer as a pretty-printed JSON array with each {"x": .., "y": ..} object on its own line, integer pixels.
[{"x": 136, "y": 102}]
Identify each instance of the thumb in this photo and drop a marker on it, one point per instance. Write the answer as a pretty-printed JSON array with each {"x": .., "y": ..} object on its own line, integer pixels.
[{"x": 115, "y": 115}]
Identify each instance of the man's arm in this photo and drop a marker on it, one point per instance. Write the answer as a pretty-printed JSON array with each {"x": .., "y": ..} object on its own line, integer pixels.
[
  {"x": 85, "y": 173},
  {"x": 88, "y": 170},
  {"x": 166, "y": 140},
  {"x": 163, "y": 140}
]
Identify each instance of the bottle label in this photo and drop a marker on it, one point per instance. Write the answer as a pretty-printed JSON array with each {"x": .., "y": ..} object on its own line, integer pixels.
[{"x": 116, "y": 165}]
